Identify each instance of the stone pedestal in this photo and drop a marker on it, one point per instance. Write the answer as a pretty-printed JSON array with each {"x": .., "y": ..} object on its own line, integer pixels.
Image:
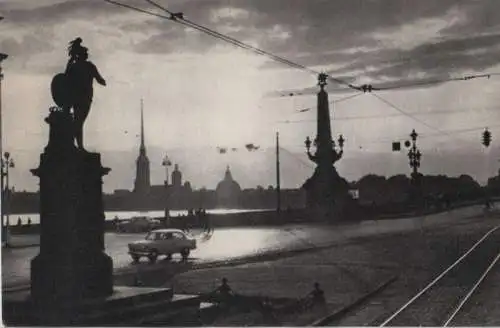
[
  {"x": 71, "y": 265},
  {"x": 327, "y": 192}
]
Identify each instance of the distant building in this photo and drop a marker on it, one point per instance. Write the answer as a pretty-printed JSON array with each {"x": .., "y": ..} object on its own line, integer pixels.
[
  {"x": 176, "y": 177},
  {"x": 228, "y": 191},
  {"x": 142, "y": 185},
  {"x": 179, "y": 195}
]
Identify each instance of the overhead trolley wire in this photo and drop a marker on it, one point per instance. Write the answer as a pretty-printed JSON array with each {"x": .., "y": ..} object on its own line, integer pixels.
[
  {"x": 435, "y": 81},
  {"x": 252, "y": 48},
  {"x": 413, "y": 117},
  {"x": 179, "y": 18}
]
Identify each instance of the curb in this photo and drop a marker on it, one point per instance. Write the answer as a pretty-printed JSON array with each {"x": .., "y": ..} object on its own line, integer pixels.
[
  {"x": 20, "y": 246},
  {"x": 339, "y": 313}
]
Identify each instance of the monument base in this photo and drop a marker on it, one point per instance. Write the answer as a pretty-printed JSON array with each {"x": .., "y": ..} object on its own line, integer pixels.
[
  {"x": 71, "y": 265},
  {"x": 328, "y": 195},
  {"x": 59, "y": 281},
  {"x": 127, "y": 306}
]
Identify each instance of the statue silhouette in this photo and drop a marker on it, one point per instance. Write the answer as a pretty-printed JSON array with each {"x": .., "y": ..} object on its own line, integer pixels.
[{"x": 78, "y": 92}]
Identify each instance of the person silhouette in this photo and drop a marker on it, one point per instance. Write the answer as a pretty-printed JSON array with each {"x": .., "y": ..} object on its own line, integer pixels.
[{"x": 81, "y": 74}]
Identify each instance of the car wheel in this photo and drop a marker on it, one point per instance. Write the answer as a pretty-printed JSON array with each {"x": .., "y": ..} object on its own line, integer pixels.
[
  {"x": 135, "y": 258},
  {"x": 153, "y": 256},
  {"x": 185, "y": 253}
]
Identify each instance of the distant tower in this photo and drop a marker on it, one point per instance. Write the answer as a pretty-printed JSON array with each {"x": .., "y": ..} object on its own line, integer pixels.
[
  {"x": 142, "y": 183},
  {"x": 176, "y": 177}
]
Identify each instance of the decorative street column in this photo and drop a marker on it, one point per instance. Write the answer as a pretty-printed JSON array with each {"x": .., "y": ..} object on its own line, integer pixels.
[
  {"x": 415, "y": 156},
  {"x": 2, "y": 58},
  {"x": 325, "y": 189},
  {"x": 7, "y": 162},
  {"x": 166, "y": 162}
]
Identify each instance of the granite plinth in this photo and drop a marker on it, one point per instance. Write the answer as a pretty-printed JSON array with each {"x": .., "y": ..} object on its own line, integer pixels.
[
  {"x": 125, "y": 306},
  {"x": 71, "y": 265}
]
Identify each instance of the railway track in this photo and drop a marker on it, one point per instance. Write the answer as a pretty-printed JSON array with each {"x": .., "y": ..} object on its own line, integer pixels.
[{"x": 444, "y": 298}]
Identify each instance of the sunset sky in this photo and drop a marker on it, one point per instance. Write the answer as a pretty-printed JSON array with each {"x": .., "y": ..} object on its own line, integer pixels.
[{"x": 201, "y": 93}]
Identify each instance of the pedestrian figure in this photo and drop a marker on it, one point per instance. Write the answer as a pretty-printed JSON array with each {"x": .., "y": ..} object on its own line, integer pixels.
[
  {"x": 80, "y": 74},
  {"x": 29, "y": 221},
  {"x": 223, "y": 293},
  {"x": 19, "y": 222},
  {"x": 317, "y": 296}
]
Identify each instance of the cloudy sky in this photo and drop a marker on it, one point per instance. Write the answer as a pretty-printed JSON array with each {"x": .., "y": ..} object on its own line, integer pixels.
[{"x": 201, "y": 93}]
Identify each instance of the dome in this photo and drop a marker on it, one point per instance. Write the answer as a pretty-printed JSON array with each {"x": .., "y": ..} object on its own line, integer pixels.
[{"x": 228, "y": 191}]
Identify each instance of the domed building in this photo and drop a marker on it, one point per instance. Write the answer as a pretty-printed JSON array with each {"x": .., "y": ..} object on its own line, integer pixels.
[{"x": 228, "y": 191}]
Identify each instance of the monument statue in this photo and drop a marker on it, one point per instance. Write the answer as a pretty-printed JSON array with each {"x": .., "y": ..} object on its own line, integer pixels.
[
  {"x": 72, "y": 265},
  {"x": 73, "y": 88}
]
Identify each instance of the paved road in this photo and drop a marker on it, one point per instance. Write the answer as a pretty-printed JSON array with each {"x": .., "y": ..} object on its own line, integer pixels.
[
  {"x": 483, "y": 308},
  {"x": 227, "y": 244},
  {"x": 419, "y": 257}
]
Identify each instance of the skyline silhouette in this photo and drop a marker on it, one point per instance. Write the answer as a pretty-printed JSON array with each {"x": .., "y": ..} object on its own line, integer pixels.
[{"x": 200, "y": 93}]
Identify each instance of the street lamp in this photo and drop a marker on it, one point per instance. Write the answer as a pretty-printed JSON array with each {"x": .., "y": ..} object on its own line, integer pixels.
[
  {"x": 2, "y": 58},
  {"x": 308, "y": 144},
  {"x": 414, "y": 155},
  {"x": 166, "y": 162},
  {"x": 6, "y": 163}
]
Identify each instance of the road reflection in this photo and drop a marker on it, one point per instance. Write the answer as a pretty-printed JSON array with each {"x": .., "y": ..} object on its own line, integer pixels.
[{"x": 223, "y": 244}]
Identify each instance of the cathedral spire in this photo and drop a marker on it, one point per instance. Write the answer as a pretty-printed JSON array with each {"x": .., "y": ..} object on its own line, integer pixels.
[
  {"x": 142, "y": 149},
  {"x": 142, "y": 178}
]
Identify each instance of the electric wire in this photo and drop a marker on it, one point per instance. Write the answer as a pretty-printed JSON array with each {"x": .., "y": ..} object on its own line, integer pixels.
[
  {"x": 179, "y": 18},
  {"x": 331, "y": 102},
  {"x": 435, "y": 81},
  {"x": 300, "y": 160}
]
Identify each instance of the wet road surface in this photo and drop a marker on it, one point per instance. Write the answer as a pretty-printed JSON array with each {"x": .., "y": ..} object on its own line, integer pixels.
[{"x": 232, "y": 243}]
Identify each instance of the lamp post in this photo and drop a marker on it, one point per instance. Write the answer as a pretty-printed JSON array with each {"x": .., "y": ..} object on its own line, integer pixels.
[
  {"x": 414, "y": 156},
  {"x": 166, "y": 162},
  {"x": 6, "y": 163},
  {"x": 2, "y": 58}
]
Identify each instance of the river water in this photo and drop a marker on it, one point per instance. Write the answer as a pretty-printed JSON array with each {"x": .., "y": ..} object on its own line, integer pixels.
[{"x": 35, "y": 217}]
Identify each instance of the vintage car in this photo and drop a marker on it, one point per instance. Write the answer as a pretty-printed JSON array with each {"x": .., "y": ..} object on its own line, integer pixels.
[
  {"x": 162, "y": 242},
  {"x": 138, "y": 224}
]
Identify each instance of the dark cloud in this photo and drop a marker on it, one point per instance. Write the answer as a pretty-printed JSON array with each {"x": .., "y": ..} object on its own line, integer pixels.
[
  {"x": 31, "y": 44},
  {"x": 62, "y": 11},
  {"x": 431, "y": 62},
  {"x": 436, "y": 60},
  {"x": 313, "y": 32},
  {"x": 317, "y": 27},
  {"x": 481, "y": 16}
]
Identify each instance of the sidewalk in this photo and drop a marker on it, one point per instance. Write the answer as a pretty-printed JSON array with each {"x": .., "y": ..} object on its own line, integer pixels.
[
  {"x": 290, "y": 278},
  {"x": 22, "y": 241},
  {"x": 346, "y": 274}
]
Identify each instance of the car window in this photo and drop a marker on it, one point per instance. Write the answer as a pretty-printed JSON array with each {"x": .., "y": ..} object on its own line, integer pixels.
[
  {"x": 152, "y": 236},
  {"x": 178, "y": 235}
]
